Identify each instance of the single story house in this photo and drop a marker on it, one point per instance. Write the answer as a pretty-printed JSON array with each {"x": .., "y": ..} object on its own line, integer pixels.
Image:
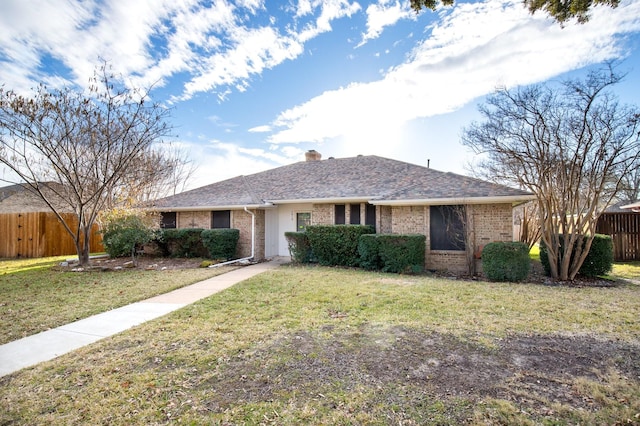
[{"x": 394, "y": 196}]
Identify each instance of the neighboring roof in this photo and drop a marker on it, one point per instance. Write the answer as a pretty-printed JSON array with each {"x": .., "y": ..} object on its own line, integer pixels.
[
  {"x": 364, "y": 178},
  {"x": 635, "y": 206},
  {"x": 19, "y": 198}
]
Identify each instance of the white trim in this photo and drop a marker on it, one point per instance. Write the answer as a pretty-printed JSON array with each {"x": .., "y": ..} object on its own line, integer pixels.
[
  {"x": 209, "y": 208},
  {"x": 514, "y": 199},
  {"x": 323, "y": 200}
]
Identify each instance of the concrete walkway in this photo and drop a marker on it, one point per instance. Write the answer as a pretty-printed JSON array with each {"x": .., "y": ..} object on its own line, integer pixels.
[{"x": 58, "y": 341}]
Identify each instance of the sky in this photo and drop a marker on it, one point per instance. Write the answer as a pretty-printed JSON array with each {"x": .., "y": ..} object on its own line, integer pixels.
[{"x": 253, "y": 84}]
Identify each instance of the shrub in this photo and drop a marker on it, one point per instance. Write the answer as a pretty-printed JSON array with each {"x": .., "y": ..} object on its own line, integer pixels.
[
  {"x": 402, "y": 253},
  {"x": 392, "y": 253},
  {"x": 506, "y": 261},
  {"x": 599, "y": 260},
  {"x": 182, "y": 242},
  {"x": 125, "y": 231},
  {"x": 299, "y": 247},
  {"x": 220, "y": 243},
  {"x": 369, "y": 251},
  {"x": 337, "y": 245}
]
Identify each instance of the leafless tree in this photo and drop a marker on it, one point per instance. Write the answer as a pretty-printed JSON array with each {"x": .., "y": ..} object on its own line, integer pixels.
[
  {"x": 569, "y": 145},
  {"x": 85, "y": 151}
]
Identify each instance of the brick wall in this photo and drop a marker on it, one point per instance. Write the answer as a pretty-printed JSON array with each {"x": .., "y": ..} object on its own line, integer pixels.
[
  {"x": 193, "y": 220},
  {"x": 491, "y": 222},
  {"x": 242, "y": 220},
  {"x": 323, "y": 214}
]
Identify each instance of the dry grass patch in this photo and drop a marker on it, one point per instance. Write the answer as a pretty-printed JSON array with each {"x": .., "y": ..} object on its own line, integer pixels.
[
  {"x": 326, "y": 346},
  {"x": 35, "y": 295}
]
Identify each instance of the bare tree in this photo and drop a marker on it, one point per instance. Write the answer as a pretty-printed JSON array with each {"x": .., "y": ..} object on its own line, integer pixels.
[
  {"x": 85, "y": 151},
  {"x": 570, "y": 146},
  {"x": 529, "y": 221}
]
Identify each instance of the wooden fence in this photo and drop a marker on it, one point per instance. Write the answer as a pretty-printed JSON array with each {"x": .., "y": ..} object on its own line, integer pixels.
[
  {"x": 39, "y": 234},
  {"x": 624, "y": 228}
]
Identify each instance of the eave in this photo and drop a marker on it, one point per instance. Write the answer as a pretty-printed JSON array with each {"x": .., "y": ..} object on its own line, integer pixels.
[{"x": 512, "y": 199}]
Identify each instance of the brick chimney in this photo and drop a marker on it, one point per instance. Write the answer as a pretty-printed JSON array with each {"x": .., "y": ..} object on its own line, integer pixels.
[{"x": 312, "y": 155}]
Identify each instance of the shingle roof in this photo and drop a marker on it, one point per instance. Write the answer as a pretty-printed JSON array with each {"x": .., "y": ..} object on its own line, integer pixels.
[{"x": 377, "y": 179}]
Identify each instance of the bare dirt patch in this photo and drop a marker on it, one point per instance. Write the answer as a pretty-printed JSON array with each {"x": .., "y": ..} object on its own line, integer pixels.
[
  {"x": 405, "y": 365},
  {"x": 142, "y": 262}
]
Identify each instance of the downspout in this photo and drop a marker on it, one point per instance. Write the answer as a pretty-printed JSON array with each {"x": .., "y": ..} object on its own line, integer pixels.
[{"x": 253, "y": 243}]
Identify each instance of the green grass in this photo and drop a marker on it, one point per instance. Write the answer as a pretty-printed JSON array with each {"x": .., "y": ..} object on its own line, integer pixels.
[
  {"x": 34, "y": 297},
  {"x": 313, "y": 345}
]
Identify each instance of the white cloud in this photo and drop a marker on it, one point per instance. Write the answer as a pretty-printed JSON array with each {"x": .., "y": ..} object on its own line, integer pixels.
[
  {"x": 382, "y": 15},
  {"x": 260, "y": 129},
  {"x": 475, "y": 47}
]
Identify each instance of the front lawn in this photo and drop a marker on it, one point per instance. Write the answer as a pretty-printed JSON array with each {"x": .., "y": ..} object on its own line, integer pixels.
[
  {"x": 35, "y": 297},
  {"x": 315, "y": 345}
]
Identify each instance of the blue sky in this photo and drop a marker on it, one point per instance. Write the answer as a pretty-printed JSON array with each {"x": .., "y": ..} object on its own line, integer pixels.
[{"x": 255, "y": 84}]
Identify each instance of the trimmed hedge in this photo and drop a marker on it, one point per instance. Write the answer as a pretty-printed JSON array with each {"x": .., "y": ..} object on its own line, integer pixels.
[
  {"x": 185, "y": 242},
  {"x": 337, "y": 245},
  {"x": 369, "y": 251},
  {"x": 220, "y": 243},
  {"x": 506, "y": 261},
  {"x": 598, "y": 262},
  {"x": 299, "y": 247},
  {"x": 393, "y": 253}
]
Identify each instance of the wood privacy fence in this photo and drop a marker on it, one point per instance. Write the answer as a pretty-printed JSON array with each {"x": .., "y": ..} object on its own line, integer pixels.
[
  {"x": 40, "y": 234},
  {"x": 624, "y": 228}
]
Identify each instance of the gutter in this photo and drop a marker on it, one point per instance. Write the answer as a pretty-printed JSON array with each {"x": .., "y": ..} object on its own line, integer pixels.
[
  {"x": 253, "y": 243},
  {"x": 208, "y": 208},
  {"x": 515, "y": 199}
]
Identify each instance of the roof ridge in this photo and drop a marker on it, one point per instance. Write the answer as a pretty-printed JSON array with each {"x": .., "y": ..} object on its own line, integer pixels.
[{"x": 247, "y": 188}]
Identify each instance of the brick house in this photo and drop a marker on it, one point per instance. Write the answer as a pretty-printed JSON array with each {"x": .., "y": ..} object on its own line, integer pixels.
[{"x": 394, "y": 196}]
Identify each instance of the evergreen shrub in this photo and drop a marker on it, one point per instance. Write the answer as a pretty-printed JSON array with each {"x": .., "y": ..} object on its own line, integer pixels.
[
  {"x": 185, "y": 242},
  {"x": 337, "y": 245},
  {"x": 506, "y": 261},
  {"x": 220, "y": 243},
  {"x": 299, "y": 247},
  {"x": 598, "y": 262}
]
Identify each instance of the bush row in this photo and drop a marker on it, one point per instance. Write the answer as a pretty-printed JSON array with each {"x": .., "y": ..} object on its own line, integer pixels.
[
  {"x": 197, "y": 242},
  {"x": 357, "y": 245},
  {"x": 599, "y": 260}
]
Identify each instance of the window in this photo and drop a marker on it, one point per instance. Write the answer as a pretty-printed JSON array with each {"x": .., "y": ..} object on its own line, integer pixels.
[
  {"x": 447, "y": 227},
  {"x": 221, "y": 219},
  {"x": 370, "y": 215},
  {"x": 302, "y": 221},
  {"x": 340, "y": 214},
  {"x": 354, "y": 214},
  {"x": 168, "y": 220}
]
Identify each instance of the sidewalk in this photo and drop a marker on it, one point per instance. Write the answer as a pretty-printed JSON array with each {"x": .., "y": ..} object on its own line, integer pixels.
[{"x": 58, "y": 341}]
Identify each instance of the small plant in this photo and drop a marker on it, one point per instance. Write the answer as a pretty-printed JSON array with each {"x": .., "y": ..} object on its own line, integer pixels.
[
  {"x": 506, "y": 261},
  {"x": 206, "y": 263}
]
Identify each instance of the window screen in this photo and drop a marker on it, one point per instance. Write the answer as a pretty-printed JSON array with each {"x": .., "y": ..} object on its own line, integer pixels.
[
  {"x": 447, "y": 227},
  {"x": 354, "y": 214},
  {"x": 370, "y": 215},
  {"x": 221, "y": 219},
  {"x": 340, "y": 214},
  {"x": 168, "y": 220}
]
